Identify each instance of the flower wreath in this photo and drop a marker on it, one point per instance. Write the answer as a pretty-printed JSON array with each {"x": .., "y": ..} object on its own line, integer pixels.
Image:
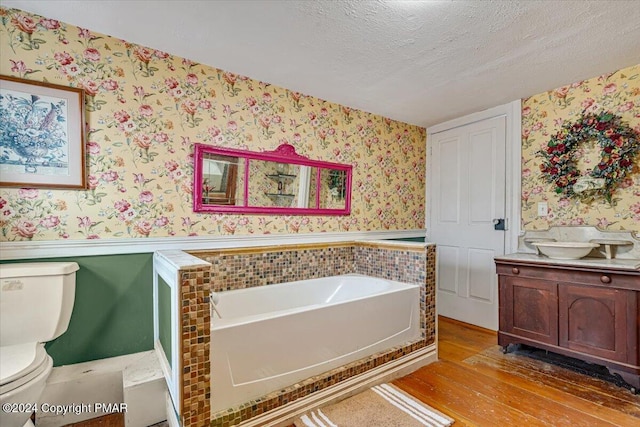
[{"x": 619, "y": 145}]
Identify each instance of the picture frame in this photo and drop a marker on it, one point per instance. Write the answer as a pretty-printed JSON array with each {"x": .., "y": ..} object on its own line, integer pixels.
[{"x": 42, "y": 135}]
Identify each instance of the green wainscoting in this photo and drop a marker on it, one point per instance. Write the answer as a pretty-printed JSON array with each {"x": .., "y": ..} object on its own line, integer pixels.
[
  {"x": 165, "y": 331},
  {"x": 411, "y": 239},
  {"x": 113, "y": 310}
]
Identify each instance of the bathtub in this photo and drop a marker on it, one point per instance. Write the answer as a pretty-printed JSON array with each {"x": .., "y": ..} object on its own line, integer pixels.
[{"x": 269, "y": 337}]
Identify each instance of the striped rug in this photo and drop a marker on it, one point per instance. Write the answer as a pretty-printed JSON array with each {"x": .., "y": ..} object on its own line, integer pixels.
[{"x": 383, "y": 405}]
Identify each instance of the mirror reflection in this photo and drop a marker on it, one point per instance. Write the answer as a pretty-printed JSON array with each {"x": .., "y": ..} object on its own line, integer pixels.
[
  {"x": 220, "y": 180},
  {"x": 280, "y": 181}
]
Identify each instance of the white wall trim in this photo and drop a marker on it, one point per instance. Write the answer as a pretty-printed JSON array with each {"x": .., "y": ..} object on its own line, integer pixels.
[
  {"x": 513, "y": 172},
  {"x": 69, "y": 248}
]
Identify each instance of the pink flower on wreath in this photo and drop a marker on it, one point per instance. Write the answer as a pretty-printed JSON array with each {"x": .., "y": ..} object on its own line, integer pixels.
[
  {"x": 63, "y": 58},
  {"x": 25, "y": 228},
  {"x": 28, "y": 193},
  {"x": 146, "y": 197},
  {"x": 50, "y": 221},
  {"x": 91, "y": 54}
]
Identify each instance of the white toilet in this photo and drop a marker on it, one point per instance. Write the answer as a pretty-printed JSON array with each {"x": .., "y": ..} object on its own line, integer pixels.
[{"x": 36, "y": 300}]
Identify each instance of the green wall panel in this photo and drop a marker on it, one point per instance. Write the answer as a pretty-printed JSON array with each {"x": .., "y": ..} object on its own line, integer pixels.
[
  {"x": 411, "y": 239},
  {"x": 113, "y": 310},
  {"x": 164, "y": 317}
]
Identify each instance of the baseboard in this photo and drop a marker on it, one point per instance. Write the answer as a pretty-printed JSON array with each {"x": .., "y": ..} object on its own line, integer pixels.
[{"x": 284, "y": 415}]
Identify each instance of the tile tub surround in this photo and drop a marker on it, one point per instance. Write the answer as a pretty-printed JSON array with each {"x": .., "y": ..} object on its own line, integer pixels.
[{"x": 240, "y": 268}]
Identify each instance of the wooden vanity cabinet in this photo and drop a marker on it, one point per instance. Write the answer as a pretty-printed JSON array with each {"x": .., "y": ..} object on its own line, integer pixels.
[{"x": 585, "y": 313}]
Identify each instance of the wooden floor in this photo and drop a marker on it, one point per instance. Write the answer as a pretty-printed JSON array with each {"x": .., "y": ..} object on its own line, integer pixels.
[{"x": 477, "y": 385}]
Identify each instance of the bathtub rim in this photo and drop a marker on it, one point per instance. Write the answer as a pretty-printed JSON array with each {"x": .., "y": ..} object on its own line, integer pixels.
[{"x": 218, "y": 323}]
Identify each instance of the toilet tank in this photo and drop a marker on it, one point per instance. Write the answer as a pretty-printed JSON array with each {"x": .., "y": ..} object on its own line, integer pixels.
[{"x": 36, "y": 300}]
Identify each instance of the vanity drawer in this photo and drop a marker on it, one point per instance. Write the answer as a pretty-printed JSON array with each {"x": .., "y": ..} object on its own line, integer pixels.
[{"x": 608, "y": 278}]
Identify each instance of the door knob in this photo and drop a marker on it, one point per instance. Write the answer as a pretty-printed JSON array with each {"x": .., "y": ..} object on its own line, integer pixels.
[{"x": 500, "y": 224}]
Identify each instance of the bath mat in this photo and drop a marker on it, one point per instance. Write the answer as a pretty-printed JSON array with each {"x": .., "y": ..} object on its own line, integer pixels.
[{"x": 380, "y": 406}]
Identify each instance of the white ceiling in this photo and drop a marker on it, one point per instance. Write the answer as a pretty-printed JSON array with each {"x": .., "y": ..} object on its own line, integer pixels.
[{"x": 422, "y": 62}]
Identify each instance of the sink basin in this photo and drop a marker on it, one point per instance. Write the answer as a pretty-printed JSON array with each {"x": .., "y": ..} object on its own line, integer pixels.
[{"x": 565, "y": 250}]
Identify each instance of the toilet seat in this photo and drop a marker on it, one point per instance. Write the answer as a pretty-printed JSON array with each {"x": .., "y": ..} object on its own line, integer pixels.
[{"x": 20, "y": 364}]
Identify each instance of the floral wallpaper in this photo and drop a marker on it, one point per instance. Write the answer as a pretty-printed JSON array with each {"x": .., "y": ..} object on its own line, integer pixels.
[
  {"x": 144, "y": 111},
  {"x": 542, "y": 119}
]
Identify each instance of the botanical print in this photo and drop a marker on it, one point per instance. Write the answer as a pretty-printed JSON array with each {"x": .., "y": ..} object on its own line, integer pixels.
[
  {"x": 145, "y": 110},
  {"x": 33, "y": 133},
  {"x": 604, "y": 112}
]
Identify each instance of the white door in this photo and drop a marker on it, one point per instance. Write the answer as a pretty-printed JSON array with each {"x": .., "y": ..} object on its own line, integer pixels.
[{"x": 468, "y": 194}]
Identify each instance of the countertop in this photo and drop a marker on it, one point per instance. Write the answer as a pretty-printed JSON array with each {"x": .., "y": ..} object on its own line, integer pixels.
[{"x": 609, "y": 264}]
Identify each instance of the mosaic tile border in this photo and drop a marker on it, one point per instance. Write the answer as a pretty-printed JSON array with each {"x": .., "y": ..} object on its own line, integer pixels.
[
  {"x": 195, "y": 334},
  {"x": 269, "y": 265}
]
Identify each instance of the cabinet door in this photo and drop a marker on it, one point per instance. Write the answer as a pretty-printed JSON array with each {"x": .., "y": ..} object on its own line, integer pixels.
[
  {"x": 529, "y": 308},
  {"x": 596, "y": 321}
]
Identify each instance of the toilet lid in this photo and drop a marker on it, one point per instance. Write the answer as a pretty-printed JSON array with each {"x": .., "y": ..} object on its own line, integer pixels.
[{"x": 18, "y": 360}]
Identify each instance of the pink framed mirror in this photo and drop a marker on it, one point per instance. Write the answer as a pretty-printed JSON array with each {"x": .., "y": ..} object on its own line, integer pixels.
[{"x": 274, "y": 182}]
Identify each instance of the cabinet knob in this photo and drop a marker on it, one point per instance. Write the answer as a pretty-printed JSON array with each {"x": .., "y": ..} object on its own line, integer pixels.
[
  {"x": 605, "y": 279},
  {"x": 515, "y": 270}
]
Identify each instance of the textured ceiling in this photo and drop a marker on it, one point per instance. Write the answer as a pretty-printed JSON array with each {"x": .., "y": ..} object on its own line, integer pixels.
[{"x": 422, "y": 62}]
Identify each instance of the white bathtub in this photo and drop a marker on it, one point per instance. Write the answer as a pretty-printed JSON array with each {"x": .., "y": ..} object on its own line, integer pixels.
[{"x": 270, "y": 337}]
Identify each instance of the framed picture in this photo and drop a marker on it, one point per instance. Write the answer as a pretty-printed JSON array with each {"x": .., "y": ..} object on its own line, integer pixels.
[{"x": 42, "y": 140}]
